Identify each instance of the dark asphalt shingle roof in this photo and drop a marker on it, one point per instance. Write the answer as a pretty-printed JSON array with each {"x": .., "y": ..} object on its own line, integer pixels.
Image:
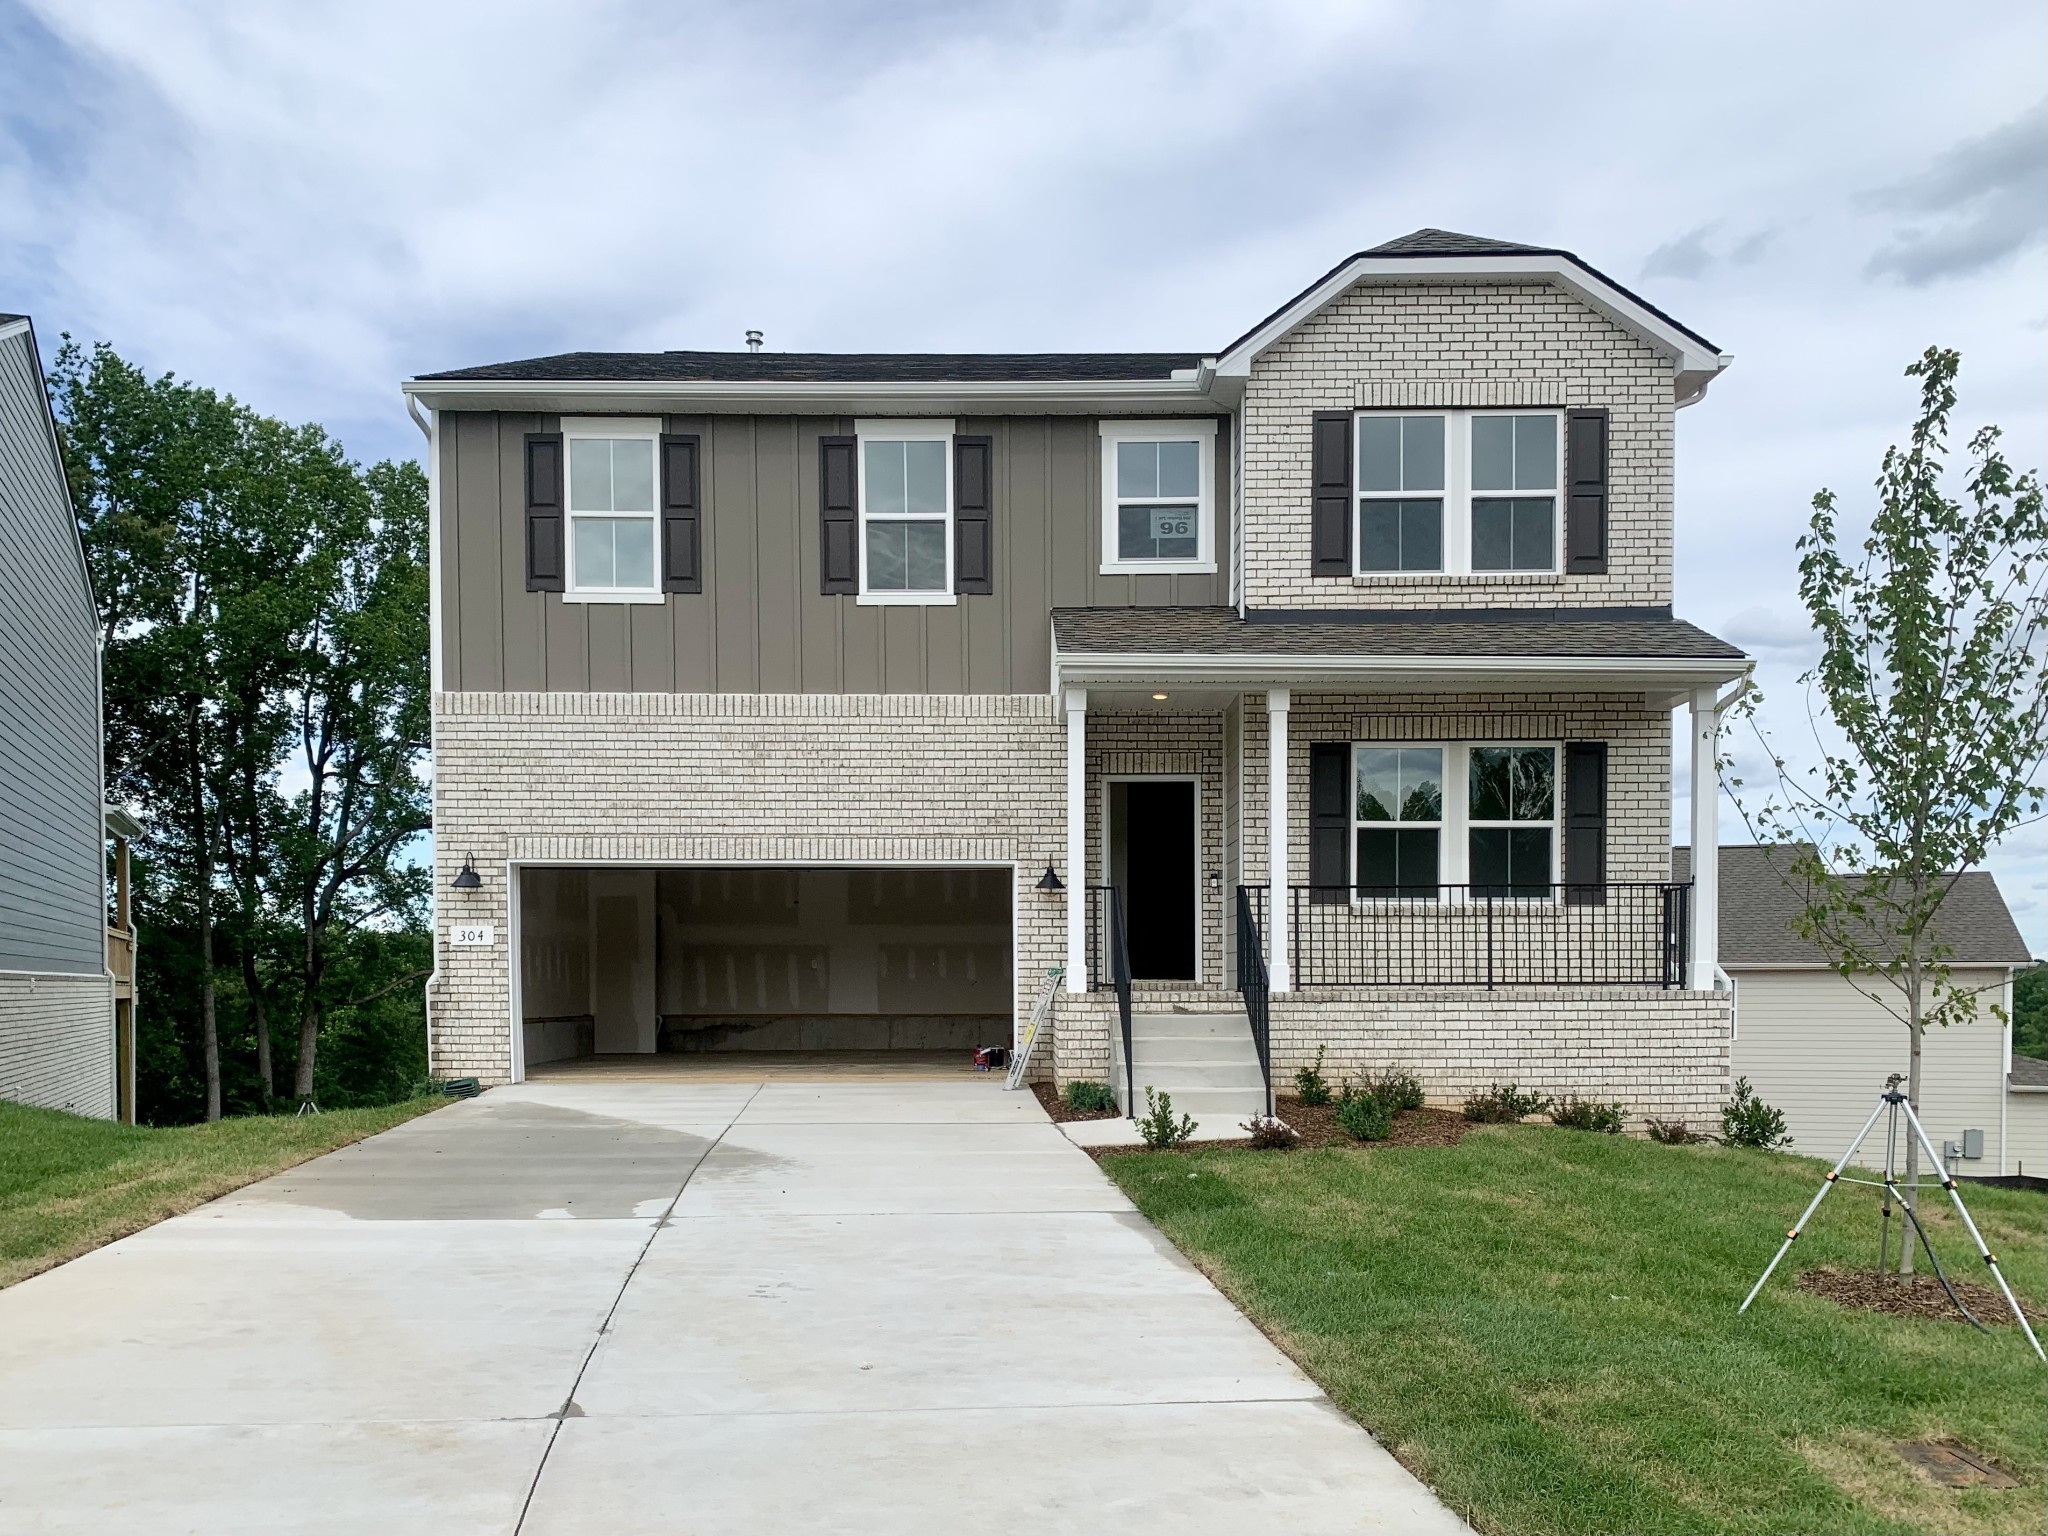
[
  {"x": 7, "y": 319},
  {"x": 1758, "y": 905},
  {"x": 1448, "y": 242},
  {"x": 836, "y": 367},
  {"x": 1642, "y": 633},
  {"x": 2029, "y": 1071}
]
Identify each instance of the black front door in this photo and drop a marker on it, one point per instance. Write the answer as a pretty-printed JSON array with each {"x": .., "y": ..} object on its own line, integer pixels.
[{"x": 1152, "y": 863}]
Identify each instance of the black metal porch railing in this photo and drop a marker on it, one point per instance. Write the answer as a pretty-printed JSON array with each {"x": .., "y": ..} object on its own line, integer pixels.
[
  {"x": 1252, "y": 983},
  {"x": 1618, "y": 934},
  {"x": 1109, "y": 965}
]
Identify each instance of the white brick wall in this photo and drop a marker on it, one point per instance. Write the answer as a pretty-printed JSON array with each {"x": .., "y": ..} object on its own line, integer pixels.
[
  {"x": 723, "y": 778},
  {"x": 57, "y": 1042},
  {"x": 1392, "y": 343}
]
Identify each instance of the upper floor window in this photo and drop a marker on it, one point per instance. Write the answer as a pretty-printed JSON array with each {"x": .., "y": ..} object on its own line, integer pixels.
[
  {"x": 611, "y": 491},
  {"x": 1158, "y": 496},
  {"x": 1457, "y": 492},
  {"x": 906, "y": 501}
]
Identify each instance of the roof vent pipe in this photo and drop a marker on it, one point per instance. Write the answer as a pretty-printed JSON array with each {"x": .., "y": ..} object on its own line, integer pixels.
[{"x": 753, "y": 341}]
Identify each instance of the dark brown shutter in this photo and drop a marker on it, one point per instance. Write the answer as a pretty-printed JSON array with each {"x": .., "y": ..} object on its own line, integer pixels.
[
  {"x": 838, "y": 516},
  {"x": 1329, "y": 821},
  {"x": 544, "y": 565},
  {"x": 681, "y": 534},
  {"x": 973, "y": 515},
  {"x": 1585, "y": 519},
  {"x": 1585, "y": 823},
  {"x": 1330, "y": 518}
]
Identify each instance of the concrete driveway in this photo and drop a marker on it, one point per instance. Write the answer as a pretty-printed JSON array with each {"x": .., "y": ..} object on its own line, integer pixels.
[{"x": 673, "y": 1307}]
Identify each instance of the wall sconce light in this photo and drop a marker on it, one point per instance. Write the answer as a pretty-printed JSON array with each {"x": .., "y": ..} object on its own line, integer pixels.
[
  {"x": 468, "y": 879},
  {"x": 1050, "y": 880}
]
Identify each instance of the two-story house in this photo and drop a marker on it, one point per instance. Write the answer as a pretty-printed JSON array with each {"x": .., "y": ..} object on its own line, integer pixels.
[{"x": 1313, "y": 691}]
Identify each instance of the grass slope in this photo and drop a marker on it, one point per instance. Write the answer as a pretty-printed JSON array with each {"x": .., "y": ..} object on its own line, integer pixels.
[
  {"x": 69, "y": 1184},
  {"x": 1541, "y": 1323}
]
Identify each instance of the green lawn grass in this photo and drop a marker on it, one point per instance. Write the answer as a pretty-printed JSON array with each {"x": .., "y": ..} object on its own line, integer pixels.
[
  {"x": 1541, "y": 1323},
  {"x": 69, "y": 1184}
]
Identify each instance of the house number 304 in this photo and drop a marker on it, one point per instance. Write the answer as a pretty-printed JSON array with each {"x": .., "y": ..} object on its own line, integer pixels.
[{"x": 470, "y": 935}]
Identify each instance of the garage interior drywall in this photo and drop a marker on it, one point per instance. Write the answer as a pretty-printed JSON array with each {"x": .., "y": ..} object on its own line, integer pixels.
[{"x": 644, "y": 960}]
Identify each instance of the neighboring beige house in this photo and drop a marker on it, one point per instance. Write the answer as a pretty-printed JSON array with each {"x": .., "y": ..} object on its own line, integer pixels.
[
  {"x": 1311, "y": 690},
  {"x": 1819, "y": 1048}
]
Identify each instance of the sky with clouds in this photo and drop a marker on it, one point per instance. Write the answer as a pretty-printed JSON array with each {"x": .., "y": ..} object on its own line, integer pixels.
[{"x": 306, "y": 203}]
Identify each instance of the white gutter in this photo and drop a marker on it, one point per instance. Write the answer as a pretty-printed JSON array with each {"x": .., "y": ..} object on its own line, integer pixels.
[
  {"x": 1366, "y": 668},
  {"x": 1190, "y": 394},
  {"x": 430, "y": 425}
]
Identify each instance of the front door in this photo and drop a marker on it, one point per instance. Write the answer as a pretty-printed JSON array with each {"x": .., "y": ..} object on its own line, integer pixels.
[{"x": 1152, "y": 865}]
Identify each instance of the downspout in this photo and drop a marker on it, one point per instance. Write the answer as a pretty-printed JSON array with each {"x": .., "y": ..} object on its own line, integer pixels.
[{"x": 430, "y": 427}]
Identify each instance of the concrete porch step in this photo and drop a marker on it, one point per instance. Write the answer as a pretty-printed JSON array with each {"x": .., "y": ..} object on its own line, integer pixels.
[
  {"x": 1209, "y": 1104},
  {"x": 1195, "y": 1074}
]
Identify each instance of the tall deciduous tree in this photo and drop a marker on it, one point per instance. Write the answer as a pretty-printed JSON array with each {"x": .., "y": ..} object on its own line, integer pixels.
[{"x": 1935, "y": 688}]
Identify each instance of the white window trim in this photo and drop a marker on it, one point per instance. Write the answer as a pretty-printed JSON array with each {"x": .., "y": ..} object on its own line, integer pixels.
[
  {"x": 1203, "y": 431},
  {"x": 648, "y": 427},
  {"x": 1458, "y": 496},
  {"x": 914, "y": 430},
  {"x": 1454, "y": 850}
]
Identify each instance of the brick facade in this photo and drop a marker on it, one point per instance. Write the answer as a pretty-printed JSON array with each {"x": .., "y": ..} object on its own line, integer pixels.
[
  {"x": 1466, "y": 343},
  {"x": 57, "y": 1042}
]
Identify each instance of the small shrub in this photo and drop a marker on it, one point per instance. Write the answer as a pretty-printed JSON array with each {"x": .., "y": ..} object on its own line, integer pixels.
[
  {"x": 1090, "y": 1098},
  {"x": 1673, "y": 1133},
  {"x": 1157, "y": 1125},
  {"x": 1365, "y": 1117},
  {"x": 1747, "y": 1121},
  {"x": 1577, "y": 1114},
  {"x": 1310, "y": 1086},
  {"x": 1270, "y": 1135},
  {"x": 1397, "y": 1090},
  {"x": 1503, "y": 1104}
]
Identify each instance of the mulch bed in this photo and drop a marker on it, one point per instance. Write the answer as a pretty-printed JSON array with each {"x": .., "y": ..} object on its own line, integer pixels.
[
  {"x": 1317, "y": 1126},
  {"x": 1920, "y": 1296},
  {"x": 1057, "y": 1107}
]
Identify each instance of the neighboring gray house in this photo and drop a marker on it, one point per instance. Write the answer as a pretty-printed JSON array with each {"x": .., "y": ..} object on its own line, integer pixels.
[
  {"x": 1310, "y": 690},
  {"x": 57, "y": 993},
  {"x": 1819, "y": 1048}
]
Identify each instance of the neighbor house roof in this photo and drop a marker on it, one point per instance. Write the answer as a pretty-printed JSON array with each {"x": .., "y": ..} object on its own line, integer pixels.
[
  {"x": 834, "y": 367},
  {"x": 1759, "y": 906},
  {"x": 2029, "y": 1072},
  {"x": 1624, "y": 647}
]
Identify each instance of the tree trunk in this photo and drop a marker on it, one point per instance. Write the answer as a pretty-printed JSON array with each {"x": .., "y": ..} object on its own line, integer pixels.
[
  {"x": 259, "y": 1019},
  {"x": 202, "y": 825},
  {"x": 310, "y": 1012},
  {"x": 1910, "y": 1194}
]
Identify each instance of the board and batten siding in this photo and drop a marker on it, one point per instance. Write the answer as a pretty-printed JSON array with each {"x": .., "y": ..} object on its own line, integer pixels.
[
  {"x": 1816, "y": 1048},
  {"x": 761, "y": 625},
  {"x": 52, "y": 851}
]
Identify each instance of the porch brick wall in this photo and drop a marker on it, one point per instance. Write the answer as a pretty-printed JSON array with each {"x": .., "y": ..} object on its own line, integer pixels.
[
  {"x": 722, "y": 778},
  {"x": 1659, "y": 1053},
  {"x": 1474, "y": 343},
  {"x": 57, "y": 1042}
]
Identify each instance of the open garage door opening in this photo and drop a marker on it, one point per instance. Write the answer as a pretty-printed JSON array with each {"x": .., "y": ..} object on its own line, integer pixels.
[{"x": 698, "y": 962}]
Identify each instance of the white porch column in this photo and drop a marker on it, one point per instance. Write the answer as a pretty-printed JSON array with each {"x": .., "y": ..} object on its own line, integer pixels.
[
  {"x": 1706, "y": 839},
  {"x": 1278, "y": 978},
  {"x": 1077, "y": 839}
]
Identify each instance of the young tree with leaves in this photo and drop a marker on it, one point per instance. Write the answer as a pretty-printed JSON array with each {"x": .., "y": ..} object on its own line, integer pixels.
[{"x": 1934, "y": 686}]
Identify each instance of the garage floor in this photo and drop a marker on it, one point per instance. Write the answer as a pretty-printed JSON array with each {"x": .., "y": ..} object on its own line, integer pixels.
[
  {"x": 760, "y": 1066},
  {"x": 674, "y": 1307}
]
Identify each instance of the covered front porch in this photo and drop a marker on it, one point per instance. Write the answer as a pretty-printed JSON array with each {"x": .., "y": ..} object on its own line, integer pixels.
[{"x": 1362, "y": 823}]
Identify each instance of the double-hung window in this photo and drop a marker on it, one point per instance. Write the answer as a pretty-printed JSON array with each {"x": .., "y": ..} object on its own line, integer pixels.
[
  {"x": 906, "y": 511},
  {"x": 1454, "y": 814},
  {"x": 1457, "y": 492},
  {"x": 1158, "y": 496},
  {"x": 611, "y": 488}
]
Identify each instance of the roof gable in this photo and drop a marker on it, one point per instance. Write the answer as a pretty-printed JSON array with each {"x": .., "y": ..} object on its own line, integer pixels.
[{"x": 1448, "y": 255}]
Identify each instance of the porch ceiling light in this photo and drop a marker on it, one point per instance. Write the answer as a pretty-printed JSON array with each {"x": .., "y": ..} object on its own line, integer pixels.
[
  {"x": 1160, "y": 696},
  {"x": 468, "y": 879},
  {"x": 1050, "y": 880}
]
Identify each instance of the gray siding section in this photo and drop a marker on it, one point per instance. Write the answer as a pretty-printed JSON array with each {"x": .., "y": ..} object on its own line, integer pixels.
[
  {"x": 52, "y": 878},
  {"x": 761, "y": 625}
]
